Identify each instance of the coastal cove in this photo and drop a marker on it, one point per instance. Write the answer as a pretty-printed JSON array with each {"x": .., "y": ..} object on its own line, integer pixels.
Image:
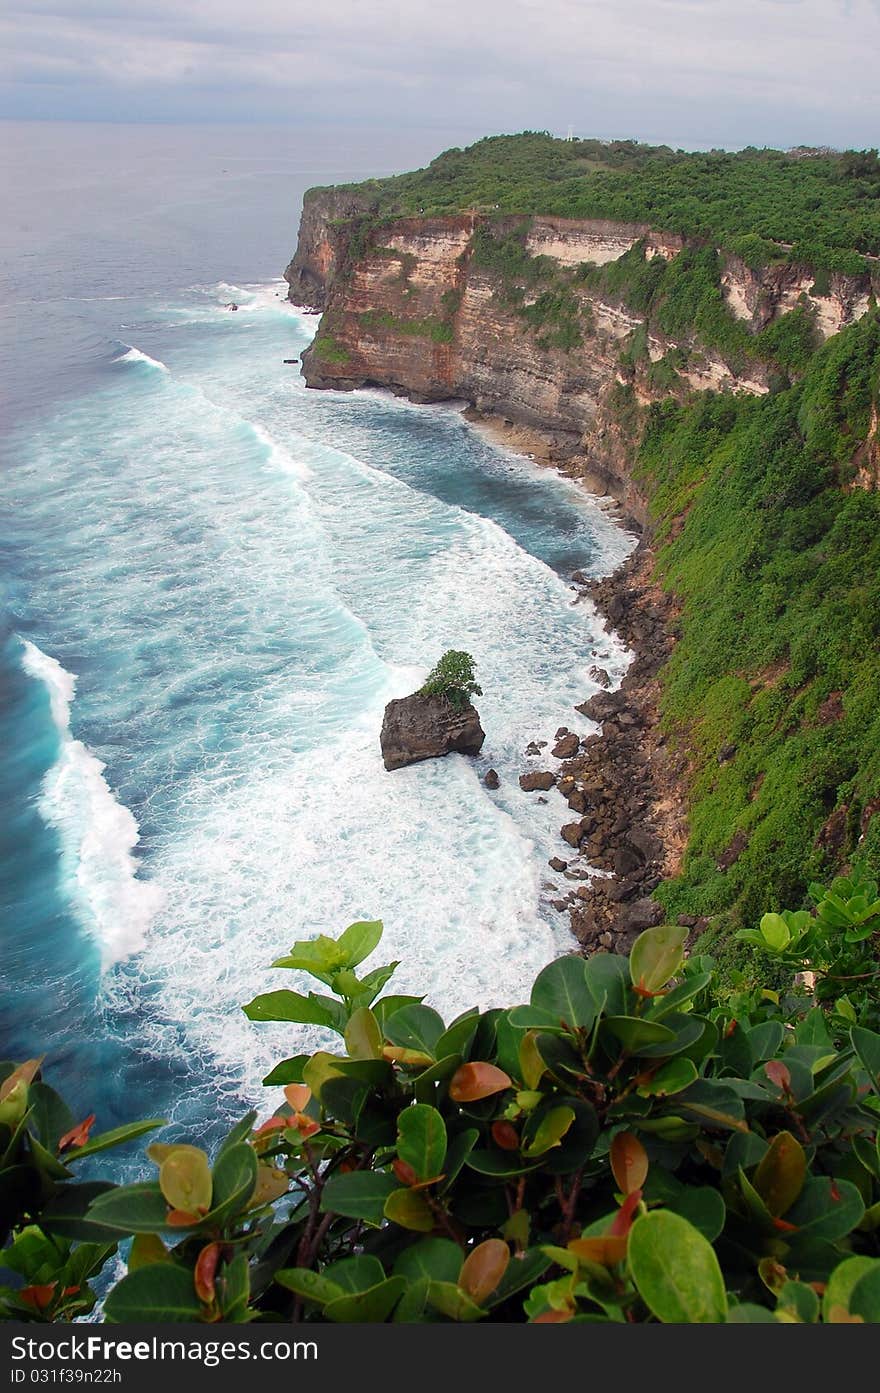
[{"x": 215, "y": 579}]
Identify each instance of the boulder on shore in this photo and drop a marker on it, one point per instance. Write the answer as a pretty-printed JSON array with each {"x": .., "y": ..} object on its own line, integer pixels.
[
  {"x": 539, "y": 781},
  {"x": 427, "y": 727}
]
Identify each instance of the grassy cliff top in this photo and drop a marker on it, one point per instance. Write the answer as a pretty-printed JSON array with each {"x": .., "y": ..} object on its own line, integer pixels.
[{"x": 816, "y": 206}]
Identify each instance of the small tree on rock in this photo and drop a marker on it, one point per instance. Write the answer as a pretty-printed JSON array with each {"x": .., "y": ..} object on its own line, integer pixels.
[{"x": 453, "y": 678}]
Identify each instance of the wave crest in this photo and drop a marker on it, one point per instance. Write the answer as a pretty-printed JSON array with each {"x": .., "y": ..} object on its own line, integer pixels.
[{"x": 98, "y": 834}]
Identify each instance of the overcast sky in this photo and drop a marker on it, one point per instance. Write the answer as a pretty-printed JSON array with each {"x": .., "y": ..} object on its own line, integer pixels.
[{"x": 686, "y": 72}]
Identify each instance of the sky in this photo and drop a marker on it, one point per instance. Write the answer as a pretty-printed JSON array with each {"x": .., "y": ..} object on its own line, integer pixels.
[{"x": 691, "y": 73}]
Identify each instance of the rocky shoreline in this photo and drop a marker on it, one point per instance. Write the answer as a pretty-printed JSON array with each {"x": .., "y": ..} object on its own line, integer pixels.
[{"x": 624, "y": 783}]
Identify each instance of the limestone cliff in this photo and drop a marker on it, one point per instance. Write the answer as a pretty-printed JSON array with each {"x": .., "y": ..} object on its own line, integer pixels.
[{"x": 409, "y": 305}]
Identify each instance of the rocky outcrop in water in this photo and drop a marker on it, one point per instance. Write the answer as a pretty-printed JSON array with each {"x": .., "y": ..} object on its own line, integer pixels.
[{"x": 427, "y": 727}]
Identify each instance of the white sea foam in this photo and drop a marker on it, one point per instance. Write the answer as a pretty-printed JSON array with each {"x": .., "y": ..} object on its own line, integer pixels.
[
  {"x": 98, "y": 834},
  {"x": 136, "y": 355},
  {"x": 278, "y": 457}
]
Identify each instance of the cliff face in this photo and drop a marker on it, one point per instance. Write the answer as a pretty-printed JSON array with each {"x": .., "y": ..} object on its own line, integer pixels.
[{"x": 409, "y": 306}]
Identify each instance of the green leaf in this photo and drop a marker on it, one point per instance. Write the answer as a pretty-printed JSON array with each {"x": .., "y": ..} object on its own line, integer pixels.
[
  {"x": 452, "y": 1302},
  {"x": 715, "y": 1102},
  {"x": 747, "y": 1313},
  {"x": 359, "y": 1195},
  {"x": 458, "y": 1037},
  {"x": 116, "y": 1137},
  {"x": 309, "y": 1285},
  {"x": 411, "y": 1308},
  {"x": 369, "y": 1307},
  {"x": 766, "y": 1039},
  {"x": 457, "y": 1152},
  {"x": 234, "y": 1181},
  {"x": 656, "y": 955},
  {"x": 437, "y": 1259},
  {"x": 864, "y": 1300},
  {"x": 415, "y": 1028},
  {"x": 676, "y": 1271},
  {"x": 866, "y": 1044},
  {"x": 386, "y": 1006},
  {"x": 781, "y": 1172},
  {"x": 363, "y": 1037},
  {"x": 65, "y": 1214},
  {"x": 287, "y": 1006},
  {"x": 842, "y": 1282},
  {"x": 522, "y": 1272},
  {"x": 775, "y": 932},
  {"x": 287, "y": 1071},
  {"x": 680, "y": 995},
  {"x": 607, "y": 978},
  {"x": 138, "y": 1208},
  {"x": 634, "y": 1033},
  {"x": 670, "y": 1078},
  {"x": 159, "y": 1292},
  {"x": 827, "y": 1209},
  {"x": 358, "y": 941},
  {"x": 561, "y": 992},
  {"x": 239, "y": 1132},
  {"x": 410, "y": 1210},
  {"x": 545, "y": 1131},
  {"x": 355, "y": 1274},
  {"x": 50, "y": 1117},
  {"x": 799, "y": 1301},
  {"x": 578, "y": 1142},
  {"x": 421, "y": 1140}
]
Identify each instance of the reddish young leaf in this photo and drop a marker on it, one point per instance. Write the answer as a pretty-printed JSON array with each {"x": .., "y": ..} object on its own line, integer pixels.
[
  {"x": 552, "y": 1318},
  {"x": 78, "y": 1135},
  {"x": 404, "y": 1172},
  {"x": 623, "y": 1219},
  {"x": 483, "y": 1269},
  {"x": 629, "y": 1162},
  {"x": 505, "y": 1135},
  {"x": 298, "y": 1096},
  {"x": 306, "y": 1126},
  {"x": 272, "y": 1124},
  {"x": 206, "y": 1271},
  {"x": 179, "y": 1219},
  {"x": 778, "y": 1074},
  {"x": 40, "y": 1297},
  {"x": 470, "y": 1082}
]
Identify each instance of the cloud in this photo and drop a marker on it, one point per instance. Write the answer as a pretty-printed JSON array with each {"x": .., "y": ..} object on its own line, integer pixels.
[{"x": 687, "y": 71}]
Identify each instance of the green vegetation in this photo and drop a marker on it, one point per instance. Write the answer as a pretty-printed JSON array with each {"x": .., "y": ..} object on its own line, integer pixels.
[
  {"x": 437, "y": 330},
  {"x": 683, "y": 299},
  {"x": 772, "y": 689},
  {"x": 453, "y": 678},
  {"x": 817, "y": 207},
  {"x": 326, "y": 348},
  {"x": 631, "y": 1146}
]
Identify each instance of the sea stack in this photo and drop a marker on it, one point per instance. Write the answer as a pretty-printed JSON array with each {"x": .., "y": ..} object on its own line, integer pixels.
[{"x": 421, "y": 727}]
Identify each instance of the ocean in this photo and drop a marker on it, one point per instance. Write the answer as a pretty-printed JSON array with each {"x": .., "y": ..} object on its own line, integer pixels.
[{"x": 213, "y": 581}]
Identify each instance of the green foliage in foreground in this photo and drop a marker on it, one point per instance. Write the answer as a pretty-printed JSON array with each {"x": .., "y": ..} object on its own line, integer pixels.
[
  {"x": 821, "y": 208},
  {"x": 773, "y": 686},
  {"x": 453, "y": 678},
  {"x": 628, "y": 1146}
]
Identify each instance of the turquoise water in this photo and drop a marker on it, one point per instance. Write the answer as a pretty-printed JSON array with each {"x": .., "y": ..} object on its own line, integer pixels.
[{"x": 215, "y": 580}]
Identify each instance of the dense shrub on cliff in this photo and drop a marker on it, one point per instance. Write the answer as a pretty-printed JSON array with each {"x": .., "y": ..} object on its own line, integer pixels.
[
  {"x": 773, "y": 686},
  {"x": 820, "y": 208},
  {"x": 627, "y": 1147}
]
